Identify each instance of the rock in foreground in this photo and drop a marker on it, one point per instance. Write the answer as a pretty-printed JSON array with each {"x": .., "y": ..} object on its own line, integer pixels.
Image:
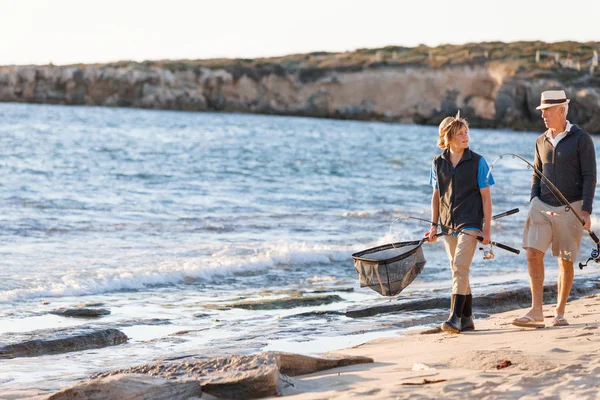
[
  {"x": 239, "y": 377},
  {"x": 55, "y": 341},
  {"x": 130, "y": 387}
]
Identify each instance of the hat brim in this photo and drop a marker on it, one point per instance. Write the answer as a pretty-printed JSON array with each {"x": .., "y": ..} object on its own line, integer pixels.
[{"x": 544, "y": 106}]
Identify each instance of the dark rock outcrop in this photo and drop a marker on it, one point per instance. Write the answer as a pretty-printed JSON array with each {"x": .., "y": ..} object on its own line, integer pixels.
[
  {"x": 283, "y": 303},
  {"x": 55, "y": 341},
  {"x": 491, "y": 303},
  {"x": 81, "y": 312}
]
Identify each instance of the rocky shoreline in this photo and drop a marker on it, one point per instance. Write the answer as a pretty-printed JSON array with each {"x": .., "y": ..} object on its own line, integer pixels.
[
  {"x": 492, "y": 94},
  {"x": 234, "y": 376}
]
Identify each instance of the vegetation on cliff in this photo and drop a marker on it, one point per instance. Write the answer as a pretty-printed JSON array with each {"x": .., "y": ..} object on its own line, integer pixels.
[
  {"x": 566, "y": 61},
  {"x": 495, "y": 85}
]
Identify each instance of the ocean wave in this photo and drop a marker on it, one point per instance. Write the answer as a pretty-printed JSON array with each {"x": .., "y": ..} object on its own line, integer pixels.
[{"x": 227, "y": 261}]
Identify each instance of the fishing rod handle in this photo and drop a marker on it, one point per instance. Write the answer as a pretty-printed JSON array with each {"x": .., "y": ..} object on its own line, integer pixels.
[
  {"x": 502, "y": 246},
  {"x": 594, "y": 237},
  {"x": 507, "y": 248},
  {"x": 507, "y": 213}
]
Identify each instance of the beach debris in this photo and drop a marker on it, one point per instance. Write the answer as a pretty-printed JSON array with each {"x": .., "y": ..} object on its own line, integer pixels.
[
  {"x": 57, "y": 341},
  {"x": 425, "y": 382},
  {"x": 421, "y": 367},
  {"x": 490, "y": 360},
  {"x": 504, "y": 364},
  {"x": 130, "y": 387},
  {"x": 81, "y": 312}
]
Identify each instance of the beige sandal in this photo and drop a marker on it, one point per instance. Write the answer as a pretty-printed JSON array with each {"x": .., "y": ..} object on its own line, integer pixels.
[
  {"x": 559, "y": 320},
  {"x": 527, "y": 322}
]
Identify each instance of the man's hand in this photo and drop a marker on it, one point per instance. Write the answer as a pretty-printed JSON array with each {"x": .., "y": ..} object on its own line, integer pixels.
[{"x": 587, "y": 219}]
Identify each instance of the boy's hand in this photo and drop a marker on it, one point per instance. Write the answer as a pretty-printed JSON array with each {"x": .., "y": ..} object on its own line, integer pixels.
[{"x": 431, "y": 234}]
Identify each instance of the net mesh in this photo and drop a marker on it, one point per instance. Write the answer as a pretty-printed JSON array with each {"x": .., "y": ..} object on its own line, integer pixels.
[{"x": 390, "y": 268}]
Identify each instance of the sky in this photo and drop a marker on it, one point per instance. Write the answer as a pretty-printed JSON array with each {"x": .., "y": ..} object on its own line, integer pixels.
[{"x": 87, "y": 31}]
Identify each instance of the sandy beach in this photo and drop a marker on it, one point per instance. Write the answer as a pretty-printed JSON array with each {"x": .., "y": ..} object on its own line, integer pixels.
[
  {"x": 553, "y": 362},
  {"x": 497, "y": 361}
]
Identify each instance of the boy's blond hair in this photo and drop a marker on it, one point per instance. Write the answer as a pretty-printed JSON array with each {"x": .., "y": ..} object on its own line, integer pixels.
[{"x": 448, "y": 128}]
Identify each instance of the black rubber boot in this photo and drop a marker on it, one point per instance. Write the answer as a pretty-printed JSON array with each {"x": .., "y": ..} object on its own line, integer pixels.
[
  {"x": 457, "y": 303},
  {"x": 466, "y": 321}
]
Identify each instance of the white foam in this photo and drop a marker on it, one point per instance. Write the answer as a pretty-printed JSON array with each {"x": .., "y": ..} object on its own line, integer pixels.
[{"x": 176, "y": 270}]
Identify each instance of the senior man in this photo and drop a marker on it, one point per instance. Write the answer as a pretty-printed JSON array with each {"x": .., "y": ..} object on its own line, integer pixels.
[{"x": 565, "y": 155}]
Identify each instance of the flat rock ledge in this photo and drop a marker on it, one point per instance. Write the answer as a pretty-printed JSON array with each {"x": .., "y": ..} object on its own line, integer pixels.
[
  {"x": 233, "y": 377},
  {"x": 282, "y": 303},
  {"x": 292, "y": 364},
  {"x": 129, "y": 387},
  {"x": 56, "y": 341},
  {"x": 504, "y": 300},
  {"x": 81, "y": 312}
]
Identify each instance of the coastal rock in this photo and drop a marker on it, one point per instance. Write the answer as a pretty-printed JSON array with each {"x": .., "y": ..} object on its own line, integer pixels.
[
  {"x": 489, "y": 303},
  {"x": 233, "y": 377},
  {"x": 284, "y": 303},
  {"x": 54, "y": 341},
  {"x": 257, "y": 383},
  {"x": 240, "y": 377},
  {"x": 292, "y": 364},
  {"x": 495, "y": 94},
  {"x": 415, "y": 305},
  {"x": 130, "y": 387},
  {"x": 81, "y": 312}
]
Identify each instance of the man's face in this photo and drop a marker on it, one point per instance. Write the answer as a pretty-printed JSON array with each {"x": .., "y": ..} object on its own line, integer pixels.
[{"x": 553, "y": 117}]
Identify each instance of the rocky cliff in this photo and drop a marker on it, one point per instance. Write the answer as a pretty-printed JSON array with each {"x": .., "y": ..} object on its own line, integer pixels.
[{"x": 489, "y": 94}]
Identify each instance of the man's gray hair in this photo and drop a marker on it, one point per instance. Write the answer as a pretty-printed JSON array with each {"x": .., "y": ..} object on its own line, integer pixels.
[{"x": 566, "y": 107}]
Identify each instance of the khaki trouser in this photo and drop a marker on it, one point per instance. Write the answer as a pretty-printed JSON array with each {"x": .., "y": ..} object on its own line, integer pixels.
[{"x": 460, "y": 250}]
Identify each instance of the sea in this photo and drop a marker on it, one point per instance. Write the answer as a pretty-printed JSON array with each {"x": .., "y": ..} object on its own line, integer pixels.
[{"x": 167, "y": 218}]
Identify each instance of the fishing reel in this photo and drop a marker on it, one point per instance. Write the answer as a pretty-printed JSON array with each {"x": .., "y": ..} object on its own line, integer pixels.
[
  {"x": 488, "y": 254},
  {"x": 594, "y": 256}
]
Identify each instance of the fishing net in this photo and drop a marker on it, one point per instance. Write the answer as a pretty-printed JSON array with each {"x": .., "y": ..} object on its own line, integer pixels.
[{"x": 388, "y": 269}]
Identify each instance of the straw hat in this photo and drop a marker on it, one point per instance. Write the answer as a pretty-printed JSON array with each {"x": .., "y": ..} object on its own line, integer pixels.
[{"x": 553, "y": 98}]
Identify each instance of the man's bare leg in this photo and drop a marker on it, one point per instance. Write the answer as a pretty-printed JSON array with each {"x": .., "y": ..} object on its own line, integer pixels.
[
  {"x": 565, "y": 282},
  {"x": 535, "y": 265}
]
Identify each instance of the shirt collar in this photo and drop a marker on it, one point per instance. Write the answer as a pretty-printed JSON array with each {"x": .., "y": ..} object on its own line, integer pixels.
[
  {"x": 466, "y": 155},
  {"x": 567, "y": 130}
]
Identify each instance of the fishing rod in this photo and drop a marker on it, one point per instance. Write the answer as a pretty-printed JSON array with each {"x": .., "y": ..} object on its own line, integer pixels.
[
  {"x": 479, "y": 238},
  {"x": 595, "y": 254}
]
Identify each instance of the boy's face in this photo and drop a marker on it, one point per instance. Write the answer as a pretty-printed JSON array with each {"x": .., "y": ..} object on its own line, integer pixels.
[{"x": 460, "y": 141}]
